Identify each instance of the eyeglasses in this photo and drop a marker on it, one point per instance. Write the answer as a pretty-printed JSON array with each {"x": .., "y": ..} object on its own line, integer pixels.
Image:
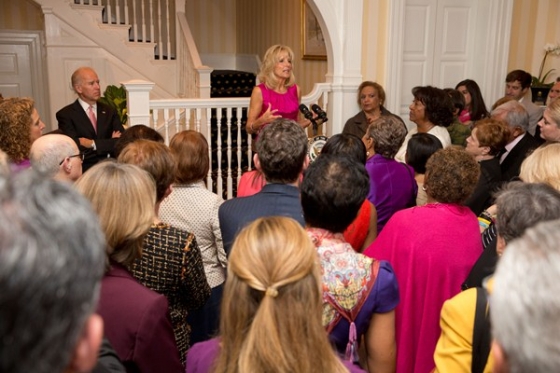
[{"x": 81, "y": 155}]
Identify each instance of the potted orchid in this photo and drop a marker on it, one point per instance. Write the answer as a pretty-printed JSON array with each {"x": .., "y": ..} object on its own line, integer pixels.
[
  {"x": 539, "y": 87},
  {"x": 540, "y": 81}
]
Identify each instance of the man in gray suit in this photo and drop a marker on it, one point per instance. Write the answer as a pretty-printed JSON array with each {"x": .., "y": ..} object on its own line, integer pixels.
[{"x": 518, "y": 83}]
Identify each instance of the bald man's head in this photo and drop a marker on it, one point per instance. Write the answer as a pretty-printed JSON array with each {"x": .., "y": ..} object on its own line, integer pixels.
[{"x": 57, "y": 156}]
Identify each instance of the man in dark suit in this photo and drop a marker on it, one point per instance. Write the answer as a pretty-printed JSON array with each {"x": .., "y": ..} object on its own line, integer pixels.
[
  {"x": 520, "y": 143},
  {"x": 281, "y": 157},
  {"x": 94, "y": 127}
]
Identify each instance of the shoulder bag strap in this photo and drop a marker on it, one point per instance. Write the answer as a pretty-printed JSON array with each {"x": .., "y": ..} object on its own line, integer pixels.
[{"x": 481, "y": 333}]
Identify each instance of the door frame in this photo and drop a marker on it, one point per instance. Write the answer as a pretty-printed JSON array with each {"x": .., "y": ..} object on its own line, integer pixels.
[
  {"x": 34, "y": 40},
  {"x": 491, "y": 81}
]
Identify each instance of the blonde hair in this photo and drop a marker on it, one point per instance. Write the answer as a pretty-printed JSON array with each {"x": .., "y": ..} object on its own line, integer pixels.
[
  {"x": 270, "y": 59},
  {"x": 123, "y": 196},
  {"x": 542, "y": 166},
  {"x": 554, "y": 112},
  {"x": 154, "y": 157},
  {"x": 273, "y": 268}
]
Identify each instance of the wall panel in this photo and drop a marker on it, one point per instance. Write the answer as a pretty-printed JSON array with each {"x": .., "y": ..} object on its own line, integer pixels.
[
  {"x": 535, "y": 23},
  {"x": 213, "y": 25},
  {"x": 250, "y": 27},
  {"x": 20, "y": 15},
  {"x": 262, "y": 23},
  {"x": 374, "y": 41}
]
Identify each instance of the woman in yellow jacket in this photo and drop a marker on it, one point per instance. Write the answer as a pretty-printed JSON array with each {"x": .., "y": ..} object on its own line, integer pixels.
[{"x": 520, "y": 206}]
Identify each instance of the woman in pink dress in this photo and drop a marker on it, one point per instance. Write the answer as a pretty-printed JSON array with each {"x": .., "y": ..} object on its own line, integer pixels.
[
  {"x": 277, "y": 96},
  {"x": 432, "y": 249}
]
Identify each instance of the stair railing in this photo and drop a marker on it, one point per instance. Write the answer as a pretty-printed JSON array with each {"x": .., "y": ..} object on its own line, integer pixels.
[
  {"x": 150, "y": 21},
  {"x": 219, "y": 118},
  {"x": 194, "y": 77}
]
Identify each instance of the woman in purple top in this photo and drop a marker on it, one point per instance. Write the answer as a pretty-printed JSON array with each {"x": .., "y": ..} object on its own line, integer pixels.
[
  {"x": 271, "y": 309},
  {"x": 136, "y": 319},
  {"x": 278, "y": 96},
  {"x": 392, "y": 184}
]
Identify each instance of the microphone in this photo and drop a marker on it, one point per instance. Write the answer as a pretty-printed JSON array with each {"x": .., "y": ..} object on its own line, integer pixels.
[
  {"x": 320, "y": 112},
  {"x": 305, "y": 111},
  {"x": 309, "y": 115}
]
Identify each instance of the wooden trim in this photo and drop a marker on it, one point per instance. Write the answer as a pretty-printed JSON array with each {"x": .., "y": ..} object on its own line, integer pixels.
[{"x": 34, "y": 41}]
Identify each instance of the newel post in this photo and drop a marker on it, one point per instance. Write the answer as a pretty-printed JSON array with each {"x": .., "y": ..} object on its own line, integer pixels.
[{"x": 138, "y": 101}]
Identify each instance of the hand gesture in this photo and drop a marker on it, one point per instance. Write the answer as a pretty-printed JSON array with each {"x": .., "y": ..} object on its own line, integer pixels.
[
  {"x": 270, "y": 114},
  {"x": 116, "y": 134}
]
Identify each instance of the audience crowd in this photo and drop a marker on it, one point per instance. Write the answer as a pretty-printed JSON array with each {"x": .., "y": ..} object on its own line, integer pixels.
[{"x": 384, "y": 254}]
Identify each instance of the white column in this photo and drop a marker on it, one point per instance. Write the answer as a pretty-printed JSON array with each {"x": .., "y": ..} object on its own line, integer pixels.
[
  {"x": 341, "y": 22},
  {"x": 138, "y": 101},
  {"x": 204, "y": 85}
]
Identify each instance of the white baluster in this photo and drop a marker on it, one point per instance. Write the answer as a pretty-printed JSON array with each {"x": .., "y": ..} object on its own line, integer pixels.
[
  {"x": 143, "y": 16},
  {"x": 208, "y": 138},
  {"x": 228, "y": 153},
  {"x": 249, "y": 152},
  {"x": 177, "y": 120},
  {"x": 118, "y": 12},
  {"x": 126, "y": 17},
  {"x": 159, "y": 39},
  {"x": 239, "y": 143},
  {"x": 168, "y": 29},
  {"x": 219, "y": 151},
  {"x": 109, "y": 12},
  {"x": 135, "y": 24},
  {"x": 155, "y": 115},
  {"x": 152, "y": 20},
  {"x": 166, "y": 124}
]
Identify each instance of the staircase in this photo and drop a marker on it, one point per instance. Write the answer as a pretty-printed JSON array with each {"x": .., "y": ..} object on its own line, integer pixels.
[
  {"x": 118, "y": 39},
  {"x": 121, "y": 39}
]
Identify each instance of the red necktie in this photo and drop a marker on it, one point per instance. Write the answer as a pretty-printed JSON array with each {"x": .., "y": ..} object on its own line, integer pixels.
[{"x": 92, "y": 118}]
